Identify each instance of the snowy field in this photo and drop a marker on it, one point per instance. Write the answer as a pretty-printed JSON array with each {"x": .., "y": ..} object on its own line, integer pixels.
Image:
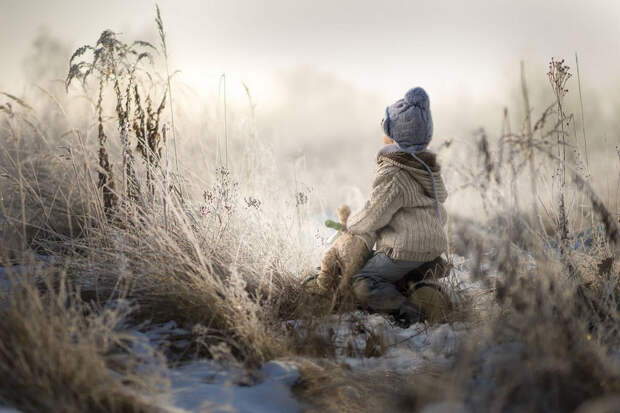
[{"x": 215, "y": 386}]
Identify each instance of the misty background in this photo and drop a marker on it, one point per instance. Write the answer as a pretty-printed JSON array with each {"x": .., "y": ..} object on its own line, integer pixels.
[{"x": 320, "y": 74}]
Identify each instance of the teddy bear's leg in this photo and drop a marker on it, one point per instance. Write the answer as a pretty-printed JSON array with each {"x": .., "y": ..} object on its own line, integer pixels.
[
  {"x": 343, "y": 295},
  {"x": 326, "y": 279},
  {"x": 355, "y": 256},
  {"x": 352, "y": 262},
  {"x": 349, "y": 268}
]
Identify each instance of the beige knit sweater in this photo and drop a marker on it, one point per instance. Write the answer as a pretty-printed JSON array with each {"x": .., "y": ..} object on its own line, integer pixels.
[{"x": 401, "y": 215}]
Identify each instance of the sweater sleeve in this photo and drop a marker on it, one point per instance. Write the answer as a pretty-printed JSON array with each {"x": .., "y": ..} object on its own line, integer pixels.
[{"x": 385, "y": 199}]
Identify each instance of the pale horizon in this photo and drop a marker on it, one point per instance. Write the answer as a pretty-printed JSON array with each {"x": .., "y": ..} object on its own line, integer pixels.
[{"x": 451, "y": 49}]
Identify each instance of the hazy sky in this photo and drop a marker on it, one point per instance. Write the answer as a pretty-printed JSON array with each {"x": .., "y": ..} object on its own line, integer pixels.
[
  {"x": 322, "y": 71},
  {"x": 450, "y": 47}
]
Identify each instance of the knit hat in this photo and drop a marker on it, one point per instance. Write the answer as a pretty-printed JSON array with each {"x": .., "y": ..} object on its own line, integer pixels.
[{"x": 409, "y": 121}]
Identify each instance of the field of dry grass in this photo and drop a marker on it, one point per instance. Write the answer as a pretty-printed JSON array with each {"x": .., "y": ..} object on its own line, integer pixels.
[{"x": 100, "y": 205}]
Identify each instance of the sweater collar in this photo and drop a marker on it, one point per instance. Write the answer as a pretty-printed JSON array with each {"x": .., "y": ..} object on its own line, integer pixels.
[{"x": 394, "y": 155}]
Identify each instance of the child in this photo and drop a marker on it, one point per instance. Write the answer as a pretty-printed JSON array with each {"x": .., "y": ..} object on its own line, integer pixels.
[{"x": 404, "y": 215}]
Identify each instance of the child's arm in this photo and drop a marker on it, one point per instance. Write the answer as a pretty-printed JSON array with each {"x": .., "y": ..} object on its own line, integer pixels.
[{"x": 386, "y": 198}]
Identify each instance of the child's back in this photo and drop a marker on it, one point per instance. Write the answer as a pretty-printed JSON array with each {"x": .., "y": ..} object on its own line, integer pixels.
[{"x": 405, "y": 214}]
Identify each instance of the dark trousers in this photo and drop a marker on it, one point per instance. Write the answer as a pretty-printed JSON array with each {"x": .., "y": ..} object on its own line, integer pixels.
[{"x": 374, "y": 285}]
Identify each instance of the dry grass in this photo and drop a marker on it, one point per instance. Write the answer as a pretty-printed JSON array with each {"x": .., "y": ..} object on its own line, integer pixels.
[
  {"x": 43, "y": 197},
  {"x": 60, "y": 354},
  {"x": 330, "y": 387},
  {"x": 547, "y": 348},
  {"x": 225, "y": 257},
  {"x": 549, "y": 342}
]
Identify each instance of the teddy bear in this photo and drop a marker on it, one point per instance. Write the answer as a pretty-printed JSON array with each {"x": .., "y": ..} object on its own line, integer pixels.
[{"x": 346, "y": 256}]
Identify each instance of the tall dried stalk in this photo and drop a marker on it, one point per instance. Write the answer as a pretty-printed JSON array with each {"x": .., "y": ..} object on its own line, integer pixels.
[
  {"x": 583, "y": 120},
  {"x": 149, "y": 139},
  {"x": 558, "y": 76},
  {"x": 131, "y": 185},
  {"x": 105, "y": 173},
  {"x": 223, "y": 82},
  {"x": 531, "y": 152},
  {"x": 116, "y": 63},
  {"x": 164, "y": 47}
]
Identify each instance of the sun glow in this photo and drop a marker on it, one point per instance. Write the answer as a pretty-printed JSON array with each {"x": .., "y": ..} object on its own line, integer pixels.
[{"x": 234, "y": 88}]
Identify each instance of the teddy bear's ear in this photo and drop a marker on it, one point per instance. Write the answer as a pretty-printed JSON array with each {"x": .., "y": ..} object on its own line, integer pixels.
[{"x": 343, "y": 214}]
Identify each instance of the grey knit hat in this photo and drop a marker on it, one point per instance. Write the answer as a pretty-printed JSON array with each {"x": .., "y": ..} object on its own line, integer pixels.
[{"x": 409, "y": 121}]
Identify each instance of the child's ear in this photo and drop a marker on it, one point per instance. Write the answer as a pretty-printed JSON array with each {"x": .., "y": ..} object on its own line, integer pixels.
[{"x": 387, "y": 140}]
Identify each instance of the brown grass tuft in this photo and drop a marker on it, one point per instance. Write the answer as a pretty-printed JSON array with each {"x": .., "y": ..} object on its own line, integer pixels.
[{"x": 59, "y": 354}]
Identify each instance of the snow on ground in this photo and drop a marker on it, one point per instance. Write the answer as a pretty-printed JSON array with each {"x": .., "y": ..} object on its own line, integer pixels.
[
  {"x": 206, "y": 385},
  {"x": 200, "y": 384},
  {"x": 404, "y": 350},
  {"x": 218, "y": 386},
  {"x": 213, "y": 386}
]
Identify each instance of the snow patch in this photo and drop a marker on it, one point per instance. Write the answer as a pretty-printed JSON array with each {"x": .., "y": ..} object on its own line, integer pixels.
[
  {"x": 207, "y": 385},
  {"x": 216, "y": 386}
]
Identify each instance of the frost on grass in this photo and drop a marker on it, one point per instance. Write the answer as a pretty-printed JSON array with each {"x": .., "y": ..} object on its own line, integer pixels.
[
  {"x": 137, "y": 236},
  {"x": 365, "y": 344}
]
